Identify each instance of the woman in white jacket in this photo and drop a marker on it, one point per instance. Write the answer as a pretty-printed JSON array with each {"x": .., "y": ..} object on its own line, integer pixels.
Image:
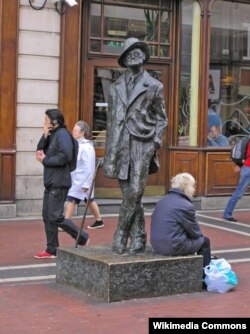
[{"x": 83, "y": 174}]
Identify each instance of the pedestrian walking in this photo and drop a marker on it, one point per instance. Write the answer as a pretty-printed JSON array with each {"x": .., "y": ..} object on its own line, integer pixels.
[
  {"x": 55, "y": 152},
  {"x": 82, "y": 176},
  {"x": 241, "y": 188}
]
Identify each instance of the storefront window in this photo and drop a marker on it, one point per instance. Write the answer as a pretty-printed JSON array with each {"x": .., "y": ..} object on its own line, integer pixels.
[
  {"x": 113, "y": 21},
  {"x": 103, "y": 78},
  {"x": 229, "y": 84},
  {"x": 189, "y": 84}
]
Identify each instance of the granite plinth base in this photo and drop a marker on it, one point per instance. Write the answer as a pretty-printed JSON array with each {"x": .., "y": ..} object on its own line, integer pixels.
[{"x": 99, "y": 272}]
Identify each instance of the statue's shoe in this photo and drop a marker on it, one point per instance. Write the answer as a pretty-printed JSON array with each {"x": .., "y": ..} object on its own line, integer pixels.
[
  {"x": 119, "y": 243},
  {"x": 137, "y": 245},
  {"x": 137, "y": 250},
  {"x": 118, "y": 249}
]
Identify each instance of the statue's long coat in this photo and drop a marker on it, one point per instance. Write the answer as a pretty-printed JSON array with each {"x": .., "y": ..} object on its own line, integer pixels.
[{"x": 141, "y": 117}]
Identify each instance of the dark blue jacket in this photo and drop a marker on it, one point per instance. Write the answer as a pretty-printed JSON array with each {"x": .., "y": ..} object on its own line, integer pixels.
[
  {"x": 58, "y": 148},
  {"x": 174, "y": 228}
]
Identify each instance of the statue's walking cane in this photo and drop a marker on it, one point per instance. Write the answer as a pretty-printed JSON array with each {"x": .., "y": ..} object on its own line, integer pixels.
[{"x": 98, "y": 165}]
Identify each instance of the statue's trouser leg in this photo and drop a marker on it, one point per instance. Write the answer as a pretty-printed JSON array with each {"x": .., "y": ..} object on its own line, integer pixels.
[
  {"x": 137, "y": 232},
  {"x": 131, "y": 217},
  {"x": 131, "y": 214}
]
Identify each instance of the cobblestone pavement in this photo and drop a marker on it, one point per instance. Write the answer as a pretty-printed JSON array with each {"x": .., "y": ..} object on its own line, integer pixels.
[{"x": 32, "y": 302}]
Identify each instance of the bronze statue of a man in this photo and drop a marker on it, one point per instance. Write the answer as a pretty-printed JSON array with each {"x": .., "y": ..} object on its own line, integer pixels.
[{"x": 136, "y": 120}]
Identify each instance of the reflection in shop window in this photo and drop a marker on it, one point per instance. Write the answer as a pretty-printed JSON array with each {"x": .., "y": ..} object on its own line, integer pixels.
[
  {"x": 103, "y": 78},
  {"x": 190, "y": 38},
  {"x": 112, "y": 22},
  {"x": 230, "y": 61},
  {"x": 246, "y": 42}
]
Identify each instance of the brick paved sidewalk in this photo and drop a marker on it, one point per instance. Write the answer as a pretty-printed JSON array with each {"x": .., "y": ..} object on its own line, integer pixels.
[{"x": 48, "y": 307}]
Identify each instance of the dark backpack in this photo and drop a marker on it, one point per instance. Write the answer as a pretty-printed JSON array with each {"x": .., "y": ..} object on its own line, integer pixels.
[
  {"x": 73, "y": 162},
  {"x": 239, "y": 151}
]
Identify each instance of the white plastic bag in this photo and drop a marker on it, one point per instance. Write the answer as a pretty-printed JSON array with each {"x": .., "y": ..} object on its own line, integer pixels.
[{"x": 219, "y": 276}]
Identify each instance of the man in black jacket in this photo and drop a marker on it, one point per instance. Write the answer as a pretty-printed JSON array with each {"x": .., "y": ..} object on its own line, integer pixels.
[{"x": 55, "y": 151}]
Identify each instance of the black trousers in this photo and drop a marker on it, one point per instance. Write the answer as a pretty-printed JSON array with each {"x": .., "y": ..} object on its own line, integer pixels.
[
  {"x": 53, "y": 217},
  {"x": 205, "y": 251}
]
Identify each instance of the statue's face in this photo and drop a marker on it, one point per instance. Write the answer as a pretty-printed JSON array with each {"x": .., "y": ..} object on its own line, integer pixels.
[{"x": 134, "y": 57}]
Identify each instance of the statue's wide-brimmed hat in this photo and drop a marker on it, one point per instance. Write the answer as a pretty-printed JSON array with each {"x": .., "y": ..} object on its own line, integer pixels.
[{"x": 132, "y": 43}]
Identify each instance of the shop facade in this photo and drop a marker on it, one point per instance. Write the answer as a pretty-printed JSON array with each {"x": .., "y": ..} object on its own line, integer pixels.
[{"x": 200, "y": 50}]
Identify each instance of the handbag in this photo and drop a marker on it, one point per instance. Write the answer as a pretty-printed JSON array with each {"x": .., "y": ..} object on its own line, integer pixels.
[
  {"x": 219, "y": 276},
  {"x": 154, "y": 165}
]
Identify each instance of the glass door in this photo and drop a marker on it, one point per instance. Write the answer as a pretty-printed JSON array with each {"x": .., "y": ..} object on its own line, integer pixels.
[
  {"x": 103, "y": 78},
  {"x": 99, "y": 75}
]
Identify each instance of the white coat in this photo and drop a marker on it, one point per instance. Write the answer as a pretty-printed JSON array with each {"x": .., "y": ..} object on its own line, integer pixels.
[{"x": 82, "y": 176}]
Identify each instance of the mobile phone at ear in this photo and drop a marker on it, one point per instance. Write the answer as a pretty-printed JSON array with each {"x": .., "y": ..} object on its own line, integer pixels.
[{"x": 51, "y": 126}]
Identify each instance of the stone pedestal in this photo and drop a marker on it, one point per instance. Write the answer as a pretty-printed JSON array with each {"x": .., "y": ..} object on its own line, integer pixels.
[{"x": 98, "y": 271}]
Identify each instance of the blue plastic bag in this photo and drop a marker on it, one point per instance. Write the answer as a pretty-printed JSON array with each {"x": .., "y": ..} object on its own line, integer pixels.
[{"x": 219, "y": 276}]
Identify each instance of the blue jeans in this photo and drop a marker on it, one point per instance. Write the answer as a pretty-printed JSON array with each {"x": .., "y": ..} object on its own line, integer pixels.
[{"x": 239, "y": 191}]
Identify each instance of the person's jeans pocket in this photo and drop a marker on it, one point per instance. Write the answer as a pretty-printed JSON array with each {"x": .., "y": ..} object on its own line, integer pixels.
[{"x": 57, "y": 198}]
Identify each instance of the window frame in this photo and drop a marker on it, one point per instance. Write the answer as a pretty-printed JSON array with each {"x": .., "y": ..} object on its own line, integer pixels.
[{"x": 102, "y": 39}]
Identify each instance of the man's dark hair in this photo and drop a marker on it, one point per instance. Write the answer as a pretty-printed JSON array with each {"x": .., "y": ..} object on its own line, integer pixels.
[{"x": 56, "y": 115}]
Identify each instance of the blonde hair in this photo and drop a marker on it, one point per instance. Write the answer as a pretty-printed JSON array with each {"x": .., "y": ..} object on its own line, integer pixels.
[{"x": 184, "y": 182}]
